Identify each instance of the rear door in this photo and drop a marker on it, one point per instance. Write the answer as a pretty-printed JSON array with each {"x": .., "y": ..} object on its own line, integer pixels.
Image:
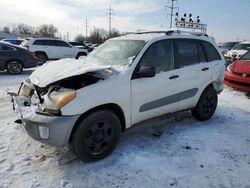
[
  {"x": 213, "y": 59},
  {"x": 195, "y": 72},
  {"x": 65, "y": 50},
  {"x": 151, "y": 97}
]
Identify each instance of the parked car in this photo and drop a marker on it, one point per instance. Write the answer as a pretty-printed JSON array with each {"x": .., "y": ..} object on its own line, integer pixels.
[
  {"x": 126, "y": 80},
  {"x": 237, "y": 74},
  {"x": 14, "y": 59},
  {"x": 51, "y": 49},
  {"x": 81, "y": 45},
  {"x": 13, "y": 41},
  {"x": 237, "y": 51},
  {"x": 227, "y": 46}
]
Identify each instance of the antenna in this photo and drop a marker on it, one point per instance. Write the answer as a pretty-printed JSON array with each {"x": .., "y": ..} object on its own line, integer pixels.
[{"x": 172, "y": 8}]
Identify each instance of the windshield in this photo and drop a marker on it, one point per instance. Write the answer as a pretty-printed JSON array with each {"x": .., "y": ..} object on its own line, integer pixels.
[
  {"x": 246, "y": 57},
  {"x": 241, "y": 47},
  {"x": 229, "y": 44},
  {"x": 116, "y": 52}
]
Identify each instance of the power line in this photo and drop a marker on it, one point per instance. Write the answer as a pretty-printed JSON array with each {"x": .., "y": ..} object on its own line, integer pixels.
[
  {"x": 86, "y": 26},
  {"x": 110, "y": 13},
  {"x": 172, "y": 8}
]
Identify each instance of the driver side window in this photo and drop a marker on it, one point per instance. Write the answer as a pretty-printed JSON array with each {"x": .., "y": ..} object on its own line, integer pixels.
[{"x": 159, "y": 55}]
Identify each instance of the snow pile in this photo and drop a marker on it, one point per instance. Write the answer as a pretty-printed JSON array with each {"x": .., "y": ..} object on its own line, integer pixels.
[{"x": 171, "y": 151}]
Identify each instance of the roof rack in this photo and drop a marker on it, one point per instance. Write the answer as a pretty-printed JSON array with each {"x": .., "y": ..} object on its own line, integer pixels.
[
  {"x": 177, "y": 31},
  {"x": 172, "y": 31}
]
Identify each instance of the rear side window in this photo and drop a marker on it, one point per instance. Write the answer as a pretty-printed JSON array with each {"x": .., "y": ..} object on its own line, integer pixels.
[
  {"x": 40, "y": 42},
  {"x": 202, "y": 56},
  {"x": 211, "y": 53},
  {"x": 62, "y": 43},
  {"x": 45, "y": 43},
  {"x": 186, "y": 52}
]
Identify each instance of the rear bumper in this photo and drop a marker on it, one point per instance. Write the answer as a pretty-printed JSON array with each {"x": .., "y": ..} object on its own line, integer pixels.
[
  {"x": 30, "y": 62},
  {"x": 52, "y": 130},
  {"x": 237, "y": 81}
]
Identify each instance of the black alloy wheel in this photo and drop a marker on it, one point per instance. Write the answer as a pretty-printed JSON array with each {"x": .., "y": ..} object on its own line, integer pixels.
[
  {"x": 96, "y": 136},
  {"x": 14, "y": 67},
  {"x": 207, "y": 104}
]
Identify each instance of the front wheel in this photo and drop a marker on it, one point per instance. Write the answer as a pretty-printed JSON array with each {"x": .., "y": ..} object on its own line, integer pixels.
[
  {"x": 97, "y": 136},
  {"x": 81, "y": 56},
  {"x": 207, "y": 104}
]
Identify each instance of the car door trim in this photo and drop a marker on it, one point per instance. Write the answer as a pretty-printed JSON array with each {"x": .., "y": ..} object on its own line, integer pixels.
[{"x": 169, "y": 100}]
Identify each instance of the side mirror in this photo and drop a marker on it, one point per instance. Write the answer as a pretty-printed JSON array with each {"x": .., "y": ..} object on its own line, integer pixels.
[{"x": 146, "y": 72}]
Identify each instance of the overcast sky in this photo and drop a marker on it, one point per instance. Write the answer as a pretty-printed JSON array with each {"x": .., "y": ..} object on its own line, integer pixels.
[{"x": 226, "y": 19}]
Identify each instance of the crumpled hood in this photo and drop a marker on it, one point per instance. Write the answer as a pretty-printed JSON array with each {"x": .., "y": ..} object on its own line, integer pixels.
[
  {"x": 61, "y": 69},
  {"x": 238, "y": 53}
]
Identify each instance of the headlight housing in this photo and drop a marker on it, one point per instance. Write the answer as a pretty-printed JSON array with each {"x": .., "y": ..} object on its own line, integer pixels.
[
  {"x": 229, "y": 68},
  {"x": 55, "y": 100},
  {"x": 27, "y": 88}
]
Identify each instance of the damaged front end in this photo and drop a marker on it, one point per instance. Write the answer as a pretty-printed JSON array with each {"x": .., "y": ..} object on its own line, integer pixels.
[{"x": 39, "y": 108}]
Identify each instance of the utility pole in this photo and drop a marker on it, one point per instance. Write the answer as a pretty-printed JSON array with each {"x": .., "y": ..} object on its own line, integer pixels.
[
  {"x": 86, "y": 26},
  {"x": 110, "y": 13},
  {"x": 172, "y": 7}
]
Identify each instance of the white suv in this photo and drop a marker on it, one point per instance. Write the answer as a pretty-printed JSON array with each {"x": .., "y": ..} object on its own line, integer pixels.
[
  {"x": 51, "y": 49},
  {"x": 128, "y": 79}
]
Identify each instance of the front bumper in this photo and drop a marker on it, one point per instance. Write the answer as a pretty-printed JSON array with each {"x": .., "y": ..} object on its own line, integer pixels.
[
  {"x": 237, "y": 81},
  {"x": 52, "y": 130}
]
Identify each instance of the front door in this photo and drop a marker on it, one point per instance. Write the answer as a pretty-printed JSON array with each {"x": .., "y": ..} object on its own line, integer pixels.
[{"x": 151, "y": 97}]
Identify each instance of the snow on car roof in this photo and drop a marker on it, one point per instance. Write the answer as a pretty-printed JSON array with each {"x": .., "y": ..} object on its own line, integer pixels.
[
  {"x": 245, "y": 42},
  {"x": 145, "y": 37}
]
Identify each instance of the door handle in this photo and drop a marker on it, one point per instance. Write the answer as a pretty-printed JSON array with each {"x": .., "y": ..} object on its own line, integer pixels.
[
  {"x": 204, "y": 69},
  {"x": 174, "y": 77}
]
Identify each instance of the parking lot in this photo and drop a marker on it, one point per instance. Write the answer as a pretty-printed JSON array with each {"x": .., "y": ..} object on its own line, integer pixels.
[{"x": 171, "y": 151}]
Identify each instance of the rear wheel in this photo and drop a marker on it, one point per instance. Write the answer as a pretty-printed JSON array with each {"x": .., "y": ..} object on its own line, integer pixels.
[
  {"x": 207, "y": 104},
  {"x": 97, "y": 136},
  {"x": 41, "y": 58},
  {"x": 14, "y": 67}
]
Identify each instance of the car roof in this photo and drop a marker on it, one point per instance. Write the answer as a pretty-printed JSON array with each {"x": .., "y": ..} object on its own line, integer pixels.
[
  {"x": 11, "y": 39},
  {"x": 245, "y": 42},
  {"x": 154, "y": 35},
  {"x": 44, "y": 39}
]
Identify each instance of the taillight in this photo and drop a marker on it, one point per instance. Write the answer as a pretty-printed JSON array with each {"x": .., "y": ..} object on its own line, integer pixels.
[{"x": 33, "y": 54}]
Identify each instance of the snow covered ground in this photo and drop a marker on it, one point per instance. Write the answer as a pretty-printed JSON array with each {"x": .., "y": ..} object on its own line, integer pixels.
[{"x": 171, "y": 151}]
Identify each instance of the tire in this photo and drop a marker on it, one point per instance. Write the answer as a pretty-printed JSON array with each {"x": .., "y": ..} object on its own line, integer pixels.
[
  {"x": 41, "y": 58},
  {"x": 97, "y": 136},
  {"x": 14, "y": 67},
  {"x": 207, "y": 104},
  {"x": 81, "y": 55}
]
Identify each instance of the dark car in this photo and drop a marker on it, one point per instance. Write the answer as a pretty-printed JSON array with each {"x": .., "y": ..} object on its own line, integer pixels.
[
  {"x": 81, "y": 45},
  {"x": 14, "y": 58},
  {"x": 13, "y": 41}
]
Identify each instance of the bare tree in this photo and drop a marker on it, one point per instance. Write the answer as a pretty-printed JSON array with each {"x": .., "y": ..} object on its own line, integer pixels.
[
  {"x": 114, "y": 33},
  {"x": 23, "y": 29},
  {"x": 79, "y": 38},
  {"x": 6, "y": 29},
  {"x": 98, "y": 36},
  {"x": 47, "y": 30}
]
